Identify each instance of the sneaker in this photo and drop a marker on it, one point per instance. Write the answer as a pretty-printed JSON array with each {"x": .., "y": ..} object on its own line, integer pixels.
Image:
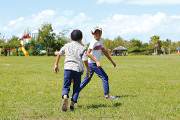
[
  {"x": 112, "y": 97},
  {"x": 65, "y": 104},
  {"x": 71, "y": 108}
]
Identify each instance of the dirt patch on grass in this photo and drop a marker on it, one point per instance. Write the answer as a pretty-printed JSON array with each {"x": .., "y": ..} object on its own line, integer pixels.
[{"x": 6, "y": 64}]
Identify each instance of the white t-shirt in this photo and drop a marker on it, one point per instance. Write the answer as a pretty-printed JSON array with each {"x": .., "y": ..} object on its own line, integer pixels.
[{"x": 96, "y": 46}]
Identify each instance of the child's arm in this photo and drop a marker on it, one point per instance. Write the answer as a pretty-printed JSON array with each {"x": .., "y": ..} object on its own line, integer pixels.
[
  {"x": 88, "y": 70},
  {"x": 93, "y": 58},
  {"x": 56, "y": 69},
  {"x": 107, "y": 55}
]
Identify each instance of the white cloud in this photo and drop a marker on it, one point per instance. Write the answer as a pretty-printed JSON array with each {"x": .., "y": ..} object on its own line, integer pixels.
[
  {"x": 140, "y": 27},
  {"x": 77, "y": 20},
  {"x": 153, "y": 2},
  {"x": 16, "y": 21},
  {"x": 126, "y": 24},
  {"x": 45, "y": 15},
  {"x": 108, "y": 1}
]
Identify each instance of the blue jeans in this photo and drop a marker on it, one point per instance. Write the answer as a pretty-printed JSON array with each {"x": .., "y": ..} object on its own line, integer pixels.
[
  {"x": 68, "y": 76},
  {"x": 101, "y": 73}
]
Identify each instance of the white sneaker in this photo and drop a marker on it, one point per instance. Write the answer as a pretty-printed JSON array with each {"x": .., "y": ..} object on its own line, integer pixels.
[
  {"x": 65, "y": 104},
  {"x": 112, "y": 97}
]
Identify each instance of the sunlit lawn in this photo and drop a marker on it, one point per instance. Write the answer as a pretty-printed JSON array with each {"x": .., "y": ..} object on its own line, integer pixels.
[{"x": 147, "y": 87}]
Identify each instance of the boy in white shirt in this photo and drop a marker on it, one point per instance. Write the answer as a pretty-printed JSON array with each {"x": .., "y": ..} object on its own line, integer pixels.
[{"x": 94, "y": 53}]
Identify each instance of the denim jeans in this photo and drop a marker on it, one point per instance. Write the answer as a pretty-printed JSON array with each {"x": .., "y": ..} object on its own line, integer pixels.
[
  {"x": 101, "y": 73},
  {"x": 68, "y": 76}
]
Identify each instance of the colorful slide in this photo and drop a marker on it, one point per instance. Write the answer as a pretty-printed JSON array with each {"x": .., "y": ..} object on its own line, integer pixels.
[{"x": 24, "y": 51}]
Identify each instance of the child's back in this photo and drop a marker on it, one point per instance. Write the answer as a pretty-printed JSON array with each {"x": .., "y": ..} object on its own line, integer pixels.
[{"x": 75, "y": 54}]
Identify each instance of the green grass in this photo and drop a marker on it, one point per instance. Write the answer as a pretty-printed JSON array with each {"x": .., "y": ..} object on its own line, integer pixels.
[{"x": 147, "y": 87}]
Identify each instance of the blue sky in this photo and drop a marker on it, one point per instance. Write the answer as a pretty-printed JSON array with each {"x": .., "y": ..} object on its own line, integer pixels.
[{"x": 139, "y": 19}]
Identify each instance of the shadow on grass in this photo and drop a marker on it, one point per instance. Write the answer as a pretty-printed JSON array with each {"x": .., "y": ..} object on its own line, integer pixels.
[
  {"x": 94, "y": 106},
  {"x": 122, "y": 96},
  {"x": 126, "y": 96}
]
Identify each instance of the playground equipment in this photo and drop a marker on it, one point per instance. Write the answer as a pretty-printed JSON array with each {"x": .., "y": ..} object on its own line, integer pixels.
[
  {"x": 24, "y": 51},
  {"x": 25, "y": 40},
  {"x": 178, "y": 50}
]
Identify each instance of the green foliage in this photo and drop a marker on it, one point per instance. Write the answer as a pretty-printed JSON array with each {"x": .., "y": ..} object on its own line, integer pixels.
[
  {"x": 46, "y": 36},
  {"x": 33, "y": 49},
  {"x": 155, "y": 42},
  {"x": 108, "y": 44},
  {"x": 136, "y": 43},
  {"x": 61, "y": 40},
  {"x": 118, "y": 42},
  {"x": 178, "y": 44},
  {"x": 1, "y": 43}
]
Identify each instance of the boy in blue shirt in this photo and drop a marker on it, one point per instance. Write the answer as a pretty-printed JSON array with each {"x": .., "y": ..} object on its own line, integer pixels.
[
  {"x": 75, "y": 54},
  {"x": 94, "y": 53}
]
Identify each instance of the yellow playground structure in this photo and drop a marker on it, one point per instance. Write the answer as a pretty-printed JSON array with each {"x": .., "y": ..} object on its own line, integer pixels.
[{"x": 24, "y": 51}]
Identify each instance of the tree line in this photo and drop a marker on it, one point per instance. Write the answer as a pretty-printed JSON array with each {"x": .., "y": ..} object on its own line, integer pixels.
[
  {"x": 52, "y": 42},
  {"x": 135, "y": 46}
]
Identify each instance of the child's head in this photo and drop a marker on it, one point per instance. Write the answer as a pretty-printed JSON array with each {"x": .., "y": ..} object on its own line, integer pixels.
[
  {"x": 76, "y": 35},
  {"x": 96, "y": 32}
]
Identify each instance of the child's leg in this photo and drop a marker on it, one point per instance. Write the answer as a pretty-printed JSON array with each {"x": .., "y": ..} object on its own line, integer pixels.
[
  {"x": 101, "y": 73},
  {"x": 76, "y": 85},
  {"x": 66, "y": 88},
  {"x": 67, "y": 83},
  {"x": 86, "y": 80}
]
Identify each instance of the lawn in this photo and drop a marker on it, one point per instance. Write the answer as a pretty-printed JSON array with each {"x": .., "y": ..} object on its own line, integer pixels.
[{"x": 147, "y": 88}]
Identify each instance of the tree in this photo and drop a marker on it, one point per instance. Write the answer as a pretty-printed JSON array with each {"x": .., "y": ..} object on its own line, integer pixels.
[
  {"x": 15, "y": 43},
  {"x": 178, "y": 43},
  {"x": 135, "y": 46},
  {"x": 46, "y": 36},
  {"x": 169, "y": 45},
  {"x": 6, "y": 46},
  {"x": 155, "y": 43},
  {"x": 118, "y": 42},
  {"x": 108, "y": 44},
  {"x": 61, "y": 40},
  {"x": 1, "y": 43},
  {"x": 34, "y": 47},
  {"x": 135, "y": 42},
  {"x": 127, "y": 44},
  {"x": 164, "y": 46}
]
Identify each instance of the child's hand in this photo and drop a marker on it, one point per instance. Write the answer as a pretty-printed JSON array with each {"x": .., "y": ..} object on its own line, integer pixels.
[
  {"x": 113, "y": 64},
  {"x": 98, "y": 64},
  {"x": 56, "y": 69},
  {"x": 89, "y": 74}
]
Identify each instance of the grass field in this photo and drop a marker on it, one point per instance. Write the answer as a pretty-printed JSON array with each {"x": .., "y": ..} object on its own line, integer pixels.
[{"x": 148, "y": 88}]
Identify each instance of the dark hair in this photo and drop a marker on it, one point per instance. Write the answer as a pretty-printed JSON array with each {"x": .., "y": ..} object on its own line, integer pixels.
[{"x": 76, "y": 35}]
